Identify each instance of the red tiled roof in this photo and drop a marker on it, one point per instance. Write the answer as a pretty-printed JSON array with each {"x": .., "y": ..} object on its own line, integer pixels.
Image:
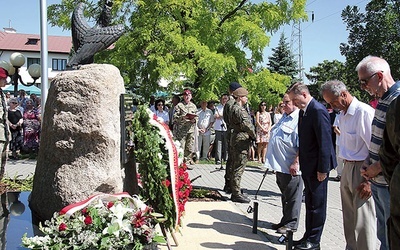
[{"x": 18, "y": 42}]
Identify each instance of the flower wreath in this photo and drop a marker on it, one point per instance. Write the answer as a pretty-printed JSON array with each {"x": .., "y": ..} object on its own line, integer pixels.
[
  {"x": 160, "y": 161},
  {"x": 103, "y": 221}
]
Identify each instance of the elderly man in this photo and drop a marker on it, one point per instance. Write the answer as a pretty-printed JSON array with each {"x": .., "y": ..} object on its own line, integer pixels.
[
  {"x": 4, "y": 133},
  {"x": 375, "y": 77},
  {"x": 242, "y": 134},
  {"x": 358, "y": 207},
  {"x": 282, "y": 157},
  {"x": 316, "y": 157}
]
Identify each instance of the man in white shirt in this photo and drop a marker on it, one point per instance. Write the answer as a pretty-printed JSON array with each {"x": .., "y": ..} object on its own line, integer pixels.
[
  {"x": 204, "y": 124},
  {"x": 358, "y": 207},
  {"x": 221, "y": 152}
]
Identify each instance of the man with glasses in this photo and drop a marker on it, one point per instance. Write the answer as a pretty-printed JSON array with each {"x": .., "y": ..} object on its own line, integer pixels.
[
  {"x": 4, "y": 134},
  {"x": 358, "y": 208},
  {"x": 282, "y": 157},
  {"x": 375, "y": 78}
]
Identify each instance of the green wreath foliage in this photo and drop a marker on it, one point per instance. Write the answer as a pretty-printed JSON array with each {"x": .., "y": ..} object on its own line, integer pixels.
[{"x": 152, "y": 156}]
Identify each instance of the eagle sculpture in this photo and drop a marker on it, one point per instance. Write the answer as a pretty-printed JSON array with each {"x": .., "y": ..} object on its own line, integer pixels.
[{"x": 88, "y": 40}]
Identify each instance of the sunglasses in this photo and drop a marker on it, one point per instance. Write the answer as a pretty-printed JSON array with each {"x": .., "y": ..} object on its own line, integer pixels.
[{"x": 264, "y": 104}]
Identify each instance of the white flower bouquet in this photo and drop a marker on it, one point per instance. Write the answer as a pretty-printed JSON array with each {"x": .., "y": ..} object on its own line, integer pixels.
[{"x": 101, "y": 222}]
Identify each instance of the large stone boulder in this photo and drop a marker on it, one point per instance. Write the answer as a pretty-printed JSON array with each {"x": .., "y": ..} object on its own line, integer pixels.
[{"x": 80, "y": 142}]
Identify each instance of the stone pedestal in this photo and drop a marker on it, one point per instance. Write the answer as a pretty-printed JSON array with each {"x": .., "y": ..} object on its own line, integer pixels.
[{"x": 80, "y": 142}]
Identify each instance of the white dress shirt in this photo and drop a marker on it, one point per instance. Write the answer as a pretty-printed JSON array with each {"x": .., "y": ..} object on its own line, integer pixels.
[{"x": 355, "y": 131}]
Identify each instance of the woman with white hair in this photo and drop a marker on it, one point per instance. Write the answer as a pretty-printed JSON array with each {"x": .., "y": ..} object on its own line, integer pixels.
[{"x": 15, "y": 121}]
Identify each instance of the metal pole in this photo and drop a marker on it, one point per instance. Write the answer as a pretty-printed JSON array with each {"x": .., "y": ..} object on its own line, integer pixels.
[
  {"x": 255, "y": 217},
  {"x": 289, "y": 238},
  {"x": 44, "y": 53},
  {"x": 15, "y": 82}
]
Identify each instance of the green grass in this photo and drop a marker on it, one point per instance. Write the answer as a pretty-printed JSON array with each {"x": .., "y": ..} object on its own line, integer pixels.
[
  {"x": 199, "y": 193},
  {"x": 16, "y": 184}
]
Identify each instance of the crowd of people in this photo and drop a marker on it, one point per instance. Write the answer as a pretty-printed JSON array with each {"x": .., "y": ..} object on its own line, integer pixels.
[
  {"x": 24, "y": 122},
  {"x": 208, "y": 127},
  {"x": 19, "y": 123},
  {"x": 302, "y": 140}
]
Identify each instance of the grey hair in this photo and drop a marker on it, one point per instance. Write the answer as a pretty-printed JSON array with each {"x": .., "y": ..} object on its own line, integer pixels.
[
  {"x": 297, "y": 88},
  {"x": 373, "y": 64},
  {"x": 12, "y": 99},
  {"x": 336, "y": 87}
]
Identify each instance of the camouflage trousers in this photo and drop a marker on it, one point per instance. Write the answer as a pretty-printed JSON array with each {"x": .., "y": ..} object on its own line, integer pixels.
[
  {"x": 237, "y": 165},
  {"x": 3, "y": 150},
  {"x": 187, "y": 144},
  {"x": 228, "y": 168}
]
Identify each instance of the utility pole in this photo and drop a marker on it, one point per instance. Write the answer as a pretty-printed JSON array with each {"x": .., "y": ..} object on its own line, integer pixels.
[{"x": 296, "y": 46}]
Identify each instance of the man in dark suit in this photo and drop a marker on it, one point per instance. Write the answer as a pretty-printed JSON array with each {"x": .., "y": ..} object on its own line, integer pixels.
[{"x": 316, "y": 158}]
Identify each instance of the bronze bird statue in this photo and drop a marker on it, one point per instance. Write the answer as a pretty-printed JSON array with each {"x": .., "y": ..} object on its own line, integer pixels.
[{"x": 88, "y": 40}]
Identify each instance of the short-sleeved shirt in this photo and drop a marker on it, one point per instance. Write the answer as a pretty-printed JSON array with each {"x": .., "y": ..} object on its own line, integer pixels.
[
  {"x": 283, "y": 144},
  {"x": 355, "y": 131}
]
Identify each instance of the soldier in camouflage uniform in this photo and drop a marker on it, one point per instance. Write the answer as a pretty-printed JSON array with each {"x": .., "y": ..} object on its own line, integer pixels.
[
  {"x": 4, "y": 130},
  {"x": 242, "y": 134},
  {"x": 185, "y": 120},
  {"x": 227, "y": 110}
]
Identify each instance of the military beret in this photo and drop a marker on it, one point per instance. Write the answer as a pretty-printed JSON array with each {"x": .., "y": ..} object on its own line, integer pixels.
[
  {"x": 234, "y": 86},
  {"x": 3, "y": 73},
  {"x": 240, "y": 92},
  {"x": 186, "y": 92}
]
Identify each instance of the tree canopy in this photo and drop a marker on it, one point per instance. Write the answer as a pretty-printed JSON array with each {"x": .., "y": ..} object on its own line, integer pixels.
[
  {"x": 202, "y": 44},
  {"x": 325, "y": 71},
  {"x": 373, "y": 32},
  {"x": 282, "y": 61}
]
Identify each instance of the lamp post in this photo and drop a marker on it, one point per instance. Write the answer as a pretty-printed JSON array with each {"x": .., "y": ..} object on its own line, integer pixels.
[{"x": 17, "y": 60}]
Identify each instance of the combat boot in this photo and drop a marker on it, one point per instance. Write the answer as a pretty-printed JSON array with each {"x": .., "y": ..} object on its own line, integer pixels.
[
  {"x": 227, "y": 189},
  {"x": 240, "y": 198}
]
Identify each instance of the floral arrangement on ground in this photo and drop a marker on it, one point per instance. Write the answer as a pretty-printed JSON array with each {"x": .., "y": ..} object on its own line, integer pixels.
[
  {"x": 163, "y": 174},
  {"x": 101, "y": 222}
]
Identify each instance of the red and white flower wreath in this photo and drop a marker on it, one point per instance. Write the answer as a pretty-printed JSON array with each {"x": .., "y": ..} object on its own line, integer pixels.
[{"x": 180, "y": 181}]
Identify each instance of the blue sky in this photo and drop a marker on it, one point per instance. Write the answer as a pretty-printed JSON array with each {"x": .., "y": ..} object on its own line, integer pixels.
[{"x": 320, "y": 39}]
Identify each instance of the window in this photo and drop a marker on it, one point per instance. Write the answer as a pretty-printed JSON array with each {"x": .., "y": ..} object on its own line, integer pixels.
[
  {"x": 32, "y": 41},
  {"x": 31, "y": 61},
  {"x": 59, "y": 64}
]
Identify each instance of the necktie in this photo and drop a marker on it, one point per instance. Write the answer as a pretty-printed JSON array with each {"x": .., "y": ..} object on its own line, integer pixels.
[{"x": 301, "y": 116}]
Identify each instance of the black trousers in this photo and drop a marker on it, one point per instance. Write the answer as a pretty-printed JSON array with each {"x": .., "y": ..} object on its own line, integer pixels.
[{"x": 291, "y": 188}]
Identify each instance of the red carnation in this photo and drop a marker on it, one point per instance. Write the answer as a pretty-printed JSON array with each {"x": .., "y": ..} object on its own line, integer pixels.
[
  {"x": 88, "y": 220},
  {"x": 166, "y": 183},
  {"x": 84, "y": 211},
  {"x": 110, "y": 204},
  {"x": 62, "y": 227}
]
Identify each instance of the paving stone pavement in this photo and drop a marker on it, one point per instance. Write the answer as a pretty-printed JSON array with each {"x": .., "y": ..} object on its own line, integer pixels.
[
  {"x": 268, "y": 199},
  {"x": 269, "y": 203}
]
